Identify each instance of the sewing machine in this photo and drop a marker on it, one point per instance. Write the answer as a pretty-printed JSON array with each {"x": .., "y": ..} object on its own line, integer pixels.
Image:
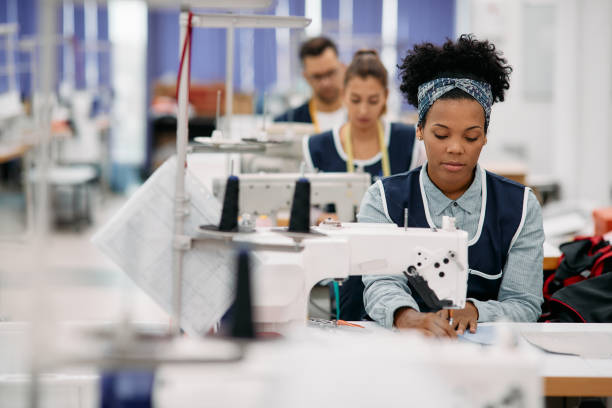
[
  {"x": 288, "y": 265},
  {"x": 270, "y": 193}
]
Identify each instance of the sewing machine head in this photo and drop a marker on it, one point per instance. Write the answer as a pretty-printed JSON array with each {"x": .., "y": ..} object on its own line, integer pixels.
[
  {"x": 268, "y": 193},
  {"x": 434, "y": 261}
]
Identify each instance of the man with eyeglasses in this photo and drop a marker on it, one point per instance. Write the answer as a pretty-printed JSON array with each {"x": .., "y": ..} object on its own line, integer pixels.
[{"x": 324, "y": 73}]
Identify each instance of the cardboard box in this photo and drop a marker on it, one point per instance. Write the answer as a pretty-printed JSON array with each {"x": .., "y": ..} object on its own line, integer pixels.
[{"x": 203, "y": 98}]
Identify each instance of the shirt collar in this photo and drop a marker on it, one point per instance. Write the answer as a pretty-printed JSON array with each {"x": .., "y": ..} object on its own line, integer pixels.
[{"x": 470, "y": 200}]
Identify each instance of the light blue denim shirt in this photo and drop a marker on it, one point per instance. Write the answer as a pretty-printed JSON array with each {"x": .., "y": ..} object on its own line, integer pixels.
[{"x": 520, "y": 294}]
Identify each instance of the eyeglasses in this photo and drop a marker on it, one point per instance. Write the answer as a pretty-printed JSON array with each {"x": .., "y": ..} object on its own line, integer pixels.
[{"x": 326, "y": 75}]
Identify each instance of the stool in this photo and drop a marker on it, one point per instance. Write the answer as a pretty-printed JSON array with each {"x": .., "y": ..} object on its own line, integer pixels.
[{"x": 73, "y": 181}]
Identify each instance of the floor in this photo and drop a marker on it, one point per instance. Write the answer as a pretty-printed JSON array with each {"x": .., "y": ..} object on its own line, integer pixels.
[{"x": 75, "y": 280}]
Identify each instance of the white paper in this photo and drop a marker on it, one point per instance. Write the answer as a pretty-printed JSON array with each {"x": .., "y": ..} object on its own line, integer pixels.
[
  {"x": 485, "y": 335},
  {"x": 584, "y": 344},
  {"x": 139, "y": 240}
]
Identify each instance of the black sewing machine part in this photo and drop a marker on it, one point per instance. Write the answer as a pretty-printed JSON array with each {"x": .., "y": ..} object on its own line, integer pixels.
[{"x": 420, "y": 285}]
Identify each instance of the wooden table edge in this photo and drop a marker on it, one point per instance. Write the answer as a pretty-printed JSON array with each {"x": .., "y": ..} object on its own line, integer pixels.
[{"x": 578, "y": 386}]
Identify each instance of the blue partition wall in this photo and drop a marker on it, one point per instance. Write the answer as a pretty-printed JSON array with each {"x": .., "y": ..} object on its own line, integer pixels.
[
  {"x": 423, "y": 21},
  {"x": 367, "y": 16},
  {"x": 417, "y": 21},
  {"x": 26, "y": 13}
]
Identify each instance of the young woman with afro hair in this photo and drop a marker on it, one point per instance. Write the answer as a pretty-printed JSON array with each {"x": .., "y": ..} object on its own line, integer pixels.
[{"x": 453, "y": 86}]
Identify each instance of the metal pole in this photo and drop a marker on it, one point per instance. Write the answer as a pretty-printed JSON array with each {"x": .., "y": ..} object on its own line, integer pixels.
[
  {"x": 182, "y": 136},
  {"x": 11, "y": 37},
  {"x": 47, "y": 74}
]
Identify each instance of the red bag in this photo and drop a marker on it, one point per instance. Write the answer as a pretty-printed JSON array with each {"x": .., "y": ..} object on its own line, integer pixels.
[{"x": 582, "y": 259}]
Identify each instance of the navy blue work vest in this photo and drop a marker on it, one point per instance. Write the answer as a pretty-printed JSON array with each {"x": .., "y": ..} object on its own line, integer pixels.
[
  {"x": 299, "y": 114},
  {"x": 324, "y": 154},
  {"x": 488, "y": 249}
]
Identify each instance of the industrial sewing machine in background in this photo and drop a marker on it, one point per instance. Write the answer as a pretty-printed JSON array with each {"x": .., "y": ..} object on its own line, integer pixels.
[{"x": 268, "y": 194}]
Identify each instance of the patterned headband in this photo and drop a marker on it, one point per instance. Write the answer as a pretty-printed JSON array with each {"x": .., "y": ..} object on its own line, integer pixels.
[{"x": 431, "y": 91}]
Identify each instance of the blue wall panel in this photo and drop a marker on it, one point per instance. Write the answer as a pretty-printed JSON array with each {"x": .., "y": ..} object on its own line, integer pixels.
[
  {"x": 104, "y": 57},
  {"x": 265, "y": 52},
  {"x": 367, "y": 16},
  {"x": 78, "y": 44},
  {"x": 27, "y": 15},
  {"x": 208, "y": 54},
  {"x": 163, "y": 43},
  {"x": 298, "y": 7},
  {"x": 418, "y": 21},
  {"x": 265, "y": 59},
  {"x": 4, "y": 18},
  {"x": 330, "y": 10},
  {"x": 4, "y": 11},
  {"x": 208, "y": 49},
  {"x": 24, "y": 13}
]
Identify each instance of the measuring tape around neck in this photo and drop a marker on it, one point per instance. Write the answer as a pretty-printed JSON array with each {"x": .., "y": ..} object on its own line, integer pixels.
[
  {"x": 313, "y": 115},
  {"x": 386, "y": 168}
]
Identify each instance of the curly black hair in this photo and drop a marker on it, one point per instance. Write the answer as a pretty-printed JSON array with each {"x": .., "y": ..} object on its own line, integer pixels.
[{"x": 466, "y": 58}]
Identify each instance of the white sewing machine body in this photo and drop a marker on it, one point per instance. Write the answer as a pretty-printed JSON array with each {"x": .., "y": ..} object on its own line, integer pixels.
[
  {"x": 268, "y": 193},
  {"x": 282, "y": 281}
]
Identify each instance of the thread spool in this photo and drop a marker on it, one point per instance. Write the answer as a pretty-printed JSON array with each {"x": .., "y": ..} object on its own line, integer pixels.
[
  {"x": 229, "y": 214},
  {"x": 299, "y": 219},
  {"x": 242, "y": 309}
]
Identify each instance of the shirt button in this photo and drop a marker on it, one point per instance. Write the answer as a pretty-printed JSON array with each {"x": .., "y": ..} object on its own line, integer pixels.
[{"x": 454, "y": 204}]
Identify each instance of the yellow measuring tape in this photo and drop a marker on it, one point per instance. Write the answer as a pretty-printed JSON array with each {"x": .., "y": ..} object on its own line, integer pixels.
[
  {"x": 313, "y": 115},
  {"x": 386, "y": 167}
]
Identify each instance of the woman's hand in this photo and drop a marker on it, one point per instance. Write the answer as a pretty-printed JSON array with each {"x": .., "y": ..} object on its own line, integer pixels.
[
  {"x": 429, "y": 324},
  {"x": 462, "y": 319}
]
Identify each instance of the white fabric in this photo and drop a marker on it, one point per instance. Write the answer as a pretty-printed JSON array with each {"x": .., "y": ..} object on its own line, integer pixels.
[
  {"x": 331, "y": 120},
  {"x": 139, "y": 239}
]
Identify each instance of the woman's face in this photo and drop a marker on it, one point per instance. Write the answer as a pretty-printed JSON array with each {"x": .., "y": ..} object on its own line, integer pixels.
[
  {"x": 365, "y": 99},
  {"x": 454, "y": 136}
]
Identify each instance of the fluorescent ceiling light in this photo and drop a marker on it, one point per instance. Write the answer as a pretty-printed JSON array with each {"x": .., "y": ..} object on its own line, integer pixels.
[{"x": 246, "y": 21}]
